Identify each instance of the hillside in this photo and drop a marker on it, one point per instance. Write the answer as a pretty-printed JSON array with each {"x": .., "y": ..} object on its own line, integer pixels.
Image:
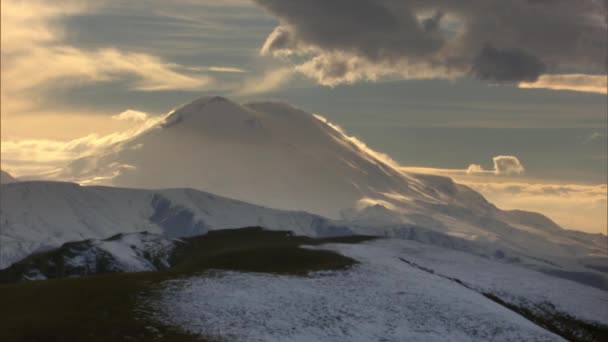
[{"x": 249, "y": 284}]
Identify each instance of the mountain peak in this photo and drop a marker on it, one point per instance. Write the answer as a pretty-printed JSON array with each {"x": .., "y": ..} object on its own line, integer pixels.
[
  {"x": 210, "y": 99},
  {"x": 253, "y": 121},
  {"x": 204, "y": 101},
  {"x": 6, "y": 178},
  {"x": 203, "y": 111}
]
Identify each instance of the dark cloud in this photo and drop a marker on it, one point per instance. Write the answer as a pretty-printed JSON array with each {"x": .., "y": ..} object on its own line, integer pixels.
[
  {"x": 504, "y": 41},
  {"x": 432, "y": 23},
  {"x": 506, "y": 65},
  {"x": 366, "y": 28}
]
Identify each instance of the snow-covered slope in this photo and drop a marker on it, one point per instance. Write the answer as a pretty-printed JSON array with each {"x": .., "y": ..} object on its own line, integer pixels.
[
  {"x": 40, "y": 215},
  {"x": 400, "y": 291}
]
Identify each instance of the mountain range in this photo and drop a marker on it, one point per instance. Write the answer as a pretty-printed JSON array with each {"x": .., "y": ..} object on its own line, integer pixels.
[
  {"x": 271, "y": 155},
  {"x": 163, "y": 197}
]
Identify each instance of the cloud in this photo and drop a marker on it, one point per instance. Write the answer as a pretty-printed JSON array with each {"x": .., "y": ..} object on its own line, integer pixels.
[
  {"x": 502, "y": 166},
  {"x": 333, "y": 69},
  {"x": 219, "y": 69},
  {"x": 506, "y": 65},
  {"x": 37, "y": 157},
  {"x": 595, "y": 136},
  {"x": 575, "y": 82},
  {"x": 474, "y": 168},
  {"x": 345, "y": 41},
  {"x": 271, "y": 80},
  {"x": 131, "y": 115},
  {"x": 35, "y": 58},
  {"x": 575, "y": 206},
  {"x": 226, "y": 69},
  {"x": 507, "y": 165}
]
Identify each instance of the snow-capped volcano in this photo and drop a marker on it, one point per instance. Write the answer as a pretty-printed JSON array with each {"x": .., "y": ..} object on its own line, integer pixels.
[
  {"x": 275, "y": 155},
  {"x": 265, "y": 153}
]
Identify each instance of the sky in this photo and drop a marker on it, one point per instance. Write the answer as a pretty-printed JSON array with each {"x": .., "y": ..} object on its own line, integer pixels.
[{"x": 508, "y": 97}]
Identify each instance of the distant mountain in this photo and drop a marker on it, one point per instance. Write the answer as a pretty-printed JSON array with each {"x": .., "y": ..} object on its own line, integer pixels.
[
  {"x": 265, "y": 153},
  {"x": 6, "y": 178},
  {"x": 275, "y": 155}
]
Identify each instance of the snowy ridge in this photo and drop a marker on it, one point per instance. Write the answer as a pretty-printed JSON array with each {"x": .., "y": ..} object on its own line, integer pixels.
[
  {"x": 134, "y": 252},
  {"x": 37, "y": 216}
]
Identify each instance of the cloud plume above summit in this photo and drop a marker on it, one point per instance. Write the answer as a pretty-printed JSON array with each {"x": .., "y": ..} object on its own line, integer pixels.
[{"x": 344, "y": 41}]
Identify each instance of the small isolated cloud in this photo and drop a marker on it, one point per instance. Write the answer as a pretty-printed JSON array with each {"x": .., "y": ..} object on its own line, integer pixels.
[
  {"x": 474, "y": 169},
  {"x": 595, "y": 136},
  {"x": 507, "y": 165},
  {"x": 574, "y": 82},
  {"x": 131, "y": 115}
]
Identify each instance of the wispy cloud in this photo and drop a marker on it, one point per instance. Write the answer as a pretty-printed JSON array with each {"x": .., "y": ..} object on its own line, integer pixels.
[
  {"x": 574, "y": 82},
  {"x": 385, "y": 158},
  {"x": 226, "y": 69},
  {"x": 574, "y": 206},
  {"x": 269, "y": 81},
  {"x": 35, "y": 58},
  {"x": 130, "y": 115},
  {"x": 36, "y": 157}
]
